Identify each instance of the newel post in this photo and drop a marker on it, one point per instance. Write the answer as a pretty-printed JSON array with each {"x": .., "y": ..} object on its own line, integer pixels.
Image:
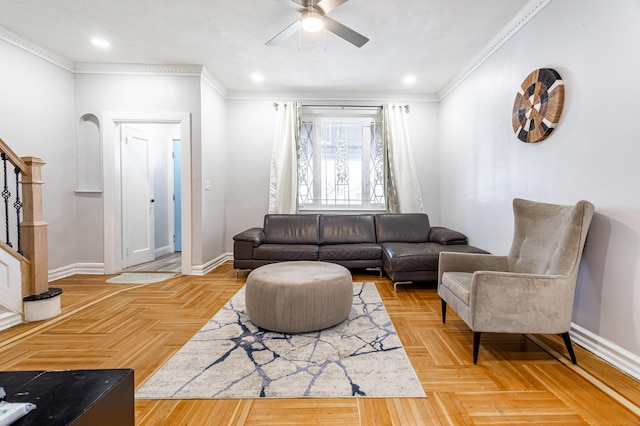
[{"x": 33, "y": 227}]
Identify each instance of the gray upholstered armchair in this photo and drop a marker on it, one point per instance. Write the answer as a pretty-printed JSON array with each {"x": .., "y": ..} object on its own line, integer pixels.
[{"x": 529, "y": 291}]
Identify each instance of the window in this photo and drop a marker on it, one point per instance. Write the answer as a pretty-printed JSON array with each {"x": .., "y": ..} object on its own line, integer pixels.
[{"x": 341, "y": 160}]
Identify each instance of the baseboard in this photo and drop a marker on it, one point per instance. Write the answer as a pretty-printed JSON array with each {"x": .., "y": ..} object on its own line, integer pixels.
[
  {"x": 9, "y": 319},
  {"x": 98, "y": 268},
  {"x": 620, "y": 358},
  {"x": 211, "y": 265},
  {"x": 90, "y": 268},
  {"x": 76, "y": 268},
  {"x": 162, "y": 251}
]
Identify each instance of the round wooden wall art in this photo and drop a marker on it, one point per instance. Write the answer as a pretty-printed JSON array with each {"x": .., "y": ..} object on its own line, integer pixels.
[{"x": 538, "y": 105}]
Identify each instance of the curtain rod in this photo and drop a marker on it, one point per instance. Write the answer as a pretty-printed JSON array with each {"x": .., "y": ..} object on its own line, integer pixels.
[{"x": 406, "y": 107}]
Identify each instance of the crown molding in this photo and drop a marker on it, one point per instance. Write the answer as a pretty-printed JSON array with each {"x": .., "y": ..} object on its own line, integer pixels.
[
  {"x": 531, "y": 9},
  {"x": 186, "y": 70},
  {"x": 342, "y": 97},
  {"x": 21, "y": 42},
  {"x": 208, "y": 78}
]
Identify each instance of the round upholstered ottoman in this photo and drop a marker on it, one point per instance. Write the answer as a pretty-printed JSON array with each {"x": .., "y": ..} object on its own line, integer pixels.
[{"x": 297, "y": 297}]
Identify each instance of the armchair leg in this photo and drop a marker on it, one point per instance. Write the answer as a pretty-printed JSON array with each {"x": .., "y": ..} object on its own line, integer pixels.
[
  {"x": 476, "y": 346},
  {"x": 444, "y": 310},
  {"x": 567, "y": 343}
]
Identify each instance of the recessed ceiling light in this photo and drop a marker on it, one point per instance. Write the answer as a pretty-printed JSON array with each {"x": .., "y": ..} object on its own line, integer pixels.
[
  {"x": 257, "y": 77},
  {"x": 100, "y": 42},
  {"x": 410, "y": 79}
]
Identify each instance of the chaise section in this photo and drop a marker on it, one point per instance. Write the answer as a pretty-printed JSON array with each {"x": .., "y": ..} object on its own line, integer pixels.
[
  {"x": 404, "y": 262},
  {"x": 411, "y": 247}
]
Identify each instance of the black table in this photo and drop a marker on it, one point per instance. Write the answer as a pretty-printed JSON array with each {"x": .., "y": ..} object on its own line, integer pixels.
[{"x": 73, "y": 397}]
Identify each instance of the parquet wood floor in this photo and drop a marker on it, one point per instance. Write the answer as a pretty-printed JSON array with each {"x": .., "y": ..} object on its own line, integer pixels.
[{"x": 517, "y": 380}]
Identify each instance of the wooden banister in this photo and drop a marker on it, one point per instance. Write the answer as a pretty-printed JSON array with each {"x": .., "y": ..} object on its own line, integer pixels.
[
  {"x": 15, "y": 160},
  {"x": 33, "y": 227},
  {"x": 35, "y": 301}
]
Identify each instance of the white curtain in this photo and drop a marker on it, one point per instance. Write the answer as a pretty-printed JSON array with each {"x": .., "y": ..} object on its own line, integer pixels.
[
  {"x": 403, "y": 187},
  {"x": 283, "y": 180}
]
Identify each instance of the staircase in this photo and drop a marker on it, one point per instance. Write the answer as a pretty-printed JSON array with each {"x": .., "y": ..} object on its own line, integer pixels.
[{"x": 24, "y": 289}]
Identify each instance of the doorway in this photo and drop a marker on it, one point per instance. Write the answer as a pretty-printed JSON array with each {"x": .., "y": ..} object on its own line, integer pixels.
[
  {"x": 114, "y": 221},
  {"x": 151, "y": 211},
  {"x": 138, "y": 236}
]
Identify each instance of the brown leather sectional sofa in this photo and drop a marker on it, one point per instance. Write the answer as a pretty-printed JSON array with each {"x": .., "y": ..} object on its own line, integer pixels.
[{"x": 404, "y": 245}]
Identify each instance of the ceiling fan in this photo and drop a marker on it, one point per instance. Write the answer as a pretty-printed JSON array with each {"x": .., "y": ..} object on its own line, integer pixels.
[{"x": 313, "y": 17}]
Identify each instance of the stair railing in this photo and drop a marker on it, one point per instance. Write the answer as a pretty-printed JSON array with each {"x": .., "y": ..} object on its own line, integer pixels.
[{"x": 30, "y": 234}]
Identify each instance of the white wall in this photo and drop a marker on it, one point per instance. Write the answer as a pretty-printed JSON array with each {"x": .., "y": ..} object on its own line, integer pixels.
[
  {"x": 36, "y": 119},
  {"x": 43, "y": 113},
  {"x": 592, "y": 154},
  {"x": 423, "y": 126},
  {"x": 250, "y": 141},
  {"x": 97, "y": 93},
  {"x": 214, "y": 166}
]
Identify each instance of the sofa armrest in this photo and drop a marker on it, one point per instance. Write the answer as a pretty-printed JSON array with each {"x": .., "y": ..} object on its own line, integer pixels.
[
  {"x": 446, "y": 236},
  {"x": 506, "y": 302},
  {"x": 255, "y": 236},
  {"x": 470, "y": 262}
]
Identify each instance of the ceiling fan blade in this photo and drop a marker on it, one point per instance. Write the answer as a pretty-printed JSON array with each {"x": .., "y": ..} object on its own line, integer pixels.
[
  {"x": 284, "y": 34},
  {"x": 328, "y": 5},
  {"x": 298, "y": 5},
  {"x": 346, "y": 33}
]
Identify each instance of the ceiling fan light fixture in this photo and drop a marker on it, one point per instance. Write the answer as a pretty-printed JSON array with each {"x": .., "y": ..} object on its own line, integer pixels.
[
  {"x": 312, "y": 21},
  {"x": 313, "y": 17}
]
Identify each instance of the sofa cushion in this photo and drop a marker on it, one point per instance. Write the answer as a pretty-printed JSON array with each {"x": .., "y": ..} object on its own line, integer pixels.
[
  {"x": 442, "y": 235},
  {"x": 363, "y": 251},
  {"x": 286, "y": 252},
  {"x": 291, "y": 228},
  {"x": 347, "y": 229},
  {"x": 405, "y": 227}
]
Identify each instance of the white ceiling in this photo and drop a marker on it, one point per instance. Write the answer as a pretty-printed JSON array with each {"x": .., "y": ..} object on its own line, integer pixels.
[{"x": 431, "y": 39}]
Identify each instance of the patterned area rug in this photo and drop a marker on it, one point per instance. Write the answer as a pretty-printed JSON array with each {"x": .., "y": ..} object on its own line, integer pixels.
[
  {"x": 232, "y": 358},
  {"x": 140, "y": 278}
]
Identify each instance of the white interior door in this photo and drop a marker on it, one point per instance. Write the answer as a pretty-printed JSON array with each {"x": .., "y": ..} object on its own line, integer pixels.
[{"x": 137, "y": 198}]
